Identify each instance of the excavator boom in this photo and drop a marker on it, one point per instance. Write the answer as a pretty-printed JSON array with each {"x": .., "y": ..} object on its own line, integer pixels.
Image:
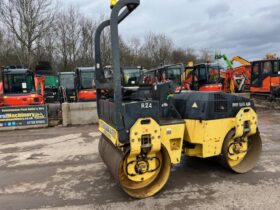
[{"x": 240, "y": 60}]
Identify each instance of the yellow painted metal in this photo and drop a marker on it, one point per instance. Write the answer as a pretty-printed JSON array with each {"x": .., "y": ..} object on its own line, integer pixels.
[
  {"x": 208, "y": 136},
  {"x": 240, "y": 60},
  {"x": 245, "y": 115},
  {"x": 165, "y": 145},
  {"x": 141, "y": 180},
  {"x": 172, "y": 138},
  {"x": 231, "y": 86},
  {"x": 271, "y": 56},
  {"x": 234, "y": 157},
  {"x": 149, "y": 129},
  {"x": 241, "y": 154},
  {"x": 190, "y": 64},
  {"x": 151, "y": 186},
  {"x": 109, "y": 132},
  {"x": 113, "y": 3}
]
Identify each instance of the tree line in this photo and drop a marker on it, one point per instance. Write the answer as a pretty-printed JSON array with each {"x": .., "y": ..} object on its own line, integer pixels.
[{"x": 38, "y": 30}]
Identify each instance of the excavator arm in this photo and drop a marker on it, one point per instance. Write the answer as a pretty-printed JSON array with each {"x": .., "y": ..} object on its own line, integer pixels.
[
  {"x": 220, "y": 56},
  {"x": 240, "y": 60}
]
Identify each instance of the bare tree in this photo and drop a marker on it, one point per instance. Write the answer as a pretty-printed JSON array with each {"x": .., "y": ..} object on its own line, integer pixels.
[
  {"x": 68, "y": 33},
  {"x": 34, "y": 30},
  {"x": 135, "y": 51},
  {"x": 28, "y": 20},
  {"x": 206, "y": 56},
  {"x": 87, "y": 41},
  {"x": 106, "y": 47},
  {"x": 179, "y": 56},
  {"x": 158, "y": 47}
]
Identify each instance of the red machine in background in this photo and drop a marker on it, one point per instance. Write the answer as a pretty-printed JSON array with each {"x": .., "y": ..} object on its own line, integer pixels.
[
  {"x": 20, "y": 87},
  {"x": 237, "y": 79},
  {"x": 241, "y": 74},
  {"x": 1, "y": 94},
  {"x": 207, "y": 77},
  {"x": 1, "y": 88},
  {"x": 85, "y": 84},
  {"x": 201, "y": 77},
  {"x": 164, "y": 74},
  {"x": 265, "y": 78},
  {"x": 187, "y": 76}
]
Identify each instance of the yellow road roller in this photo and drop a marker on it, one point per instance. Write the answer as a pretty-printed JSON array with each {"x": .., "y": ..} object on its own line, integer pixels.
[{"x": 145, "y": 130}]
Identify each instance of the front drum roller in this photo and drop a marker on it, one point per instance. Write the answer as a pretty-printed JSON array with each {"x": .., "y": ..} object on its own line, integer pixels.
[
  {"x": 116, "y": 163},
  {"x": 241, "y": 156}
]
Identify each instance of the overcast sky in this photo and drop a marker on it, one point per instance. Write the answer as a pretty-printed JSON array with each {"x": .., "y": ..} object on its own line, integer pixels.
[{"x": 249, "y": 28}]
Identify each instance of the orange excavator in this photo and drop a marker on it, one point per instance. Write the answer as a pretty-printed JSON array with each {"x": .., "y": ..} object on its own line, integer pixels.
[
  {"x": 20, "y": 87},
  {"x": 236, "y": 79},
  {"x": 85, "y": 84},
  {"x": 207, "y": 77},
  {"x": 241, "y": 74},
  {"x": 265, "y": 77}
]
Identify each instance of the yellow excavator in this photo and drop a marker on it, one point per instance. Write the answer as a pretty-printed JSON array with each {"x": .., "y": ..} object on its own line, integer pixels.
[{"x": 146, "y": 131}]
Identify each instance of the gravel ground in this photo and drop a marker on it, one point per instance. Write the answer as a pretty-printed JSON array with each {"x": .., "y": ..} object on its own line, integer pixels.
[{"x": 59, "y": 168}]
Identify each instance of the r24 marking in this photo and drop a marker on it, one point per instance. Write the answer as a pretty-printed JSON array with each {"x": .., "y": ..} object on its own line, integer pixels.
[{"x": 146, "y": 105}]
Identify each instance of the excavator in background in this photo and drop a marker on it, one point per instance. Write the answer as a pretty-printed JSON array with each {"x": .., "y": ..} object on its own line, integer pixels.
[
  {"x": 85, "y": 84},
  {"x": 44, "y": 69},
  {"x": 237, "y": 79},
  {"x": 207, "y": 77},
  {"x": 146, "y": 132},
  {"x": 21, "y": 87},
  {"x": 164, "y": 74},
  {"x": 67, "y": 87},
  {"x": 260, "y": 77},
  {"x": 187, "y": 76},
  {"x": 171, "y": 73},
  {"x": 265, "y": 77},
  {"x": 242, "y": 74},
  {"x": 200, "y": 77},
  {"x": 240, "y": 60},
  {"x": 131, "y": 76}
]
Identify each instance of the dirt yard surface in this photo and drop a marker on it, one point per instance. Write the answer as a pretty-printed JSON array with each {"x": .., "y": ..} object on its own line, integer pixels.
[{"x": 59, "y": 168}]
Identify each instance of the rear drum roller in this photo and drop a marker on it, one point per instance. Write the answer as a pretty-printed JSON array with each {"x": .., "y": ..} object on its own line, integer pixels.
[
  {"x": 239, "y": 155},
  {"x": 116, "y": 162}
]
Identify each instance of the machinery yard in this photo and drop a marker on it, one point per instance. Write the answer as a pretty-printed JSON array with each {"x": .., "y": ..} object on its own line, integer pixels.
[
  {"x": 94, "y": 117},
  {"x": 60, "y": 168}
]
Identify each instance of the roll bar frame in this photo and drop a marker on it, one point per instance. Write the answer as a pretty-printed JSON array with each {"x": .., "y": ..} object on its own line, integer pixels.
[{"x": 127, "y": 7}]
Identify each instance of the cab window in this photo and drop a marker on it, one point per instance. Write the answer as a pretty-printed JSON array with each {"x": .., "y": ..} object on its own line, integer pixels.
[
  {"x": 214, "y": 74},
  {"x": 131, "y": 77},
  {"x": 173, "y": 74},
  {"x": 267, "y": 68},
  {"x": 18, "y": 83},
  {"x": 276, "y": 68},
  {"x": 202, "y": 74},
  {"x": 87, "y": 80},
  {"x": 256, "y": 69}
]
